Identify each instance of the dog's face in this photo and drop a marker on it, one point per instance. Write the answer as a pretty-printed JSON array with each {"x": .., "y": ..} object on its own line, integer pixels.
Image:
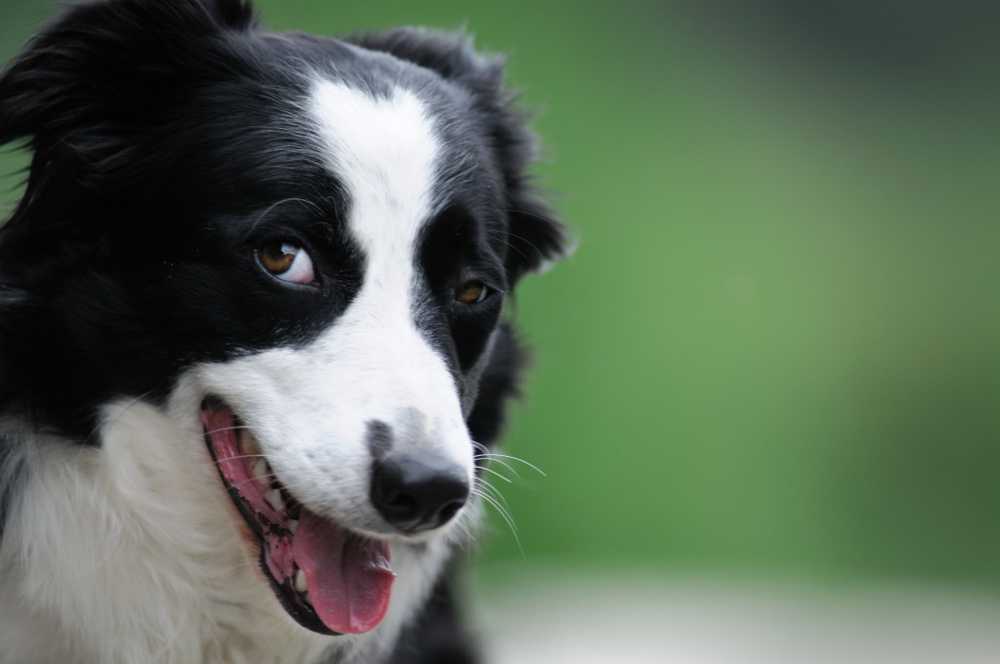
[{"x": 299, "y": 247}]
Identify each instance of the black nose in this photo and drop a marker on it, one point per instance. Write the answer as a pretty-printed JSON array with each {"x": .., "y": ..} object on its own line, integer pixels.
[{"x": 417, "y": 493}]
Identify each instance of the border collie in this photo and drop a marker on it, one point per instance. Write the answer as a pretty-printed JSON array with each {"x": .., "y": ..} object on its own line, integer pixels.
[{"x": 252, "y": 355}]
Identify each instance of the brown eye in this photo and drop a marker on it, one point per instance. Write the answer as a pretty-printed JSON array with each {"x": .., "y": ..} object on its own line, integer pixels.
[
  {"x": 472, "y": 292},
  {"x": 286, "y": 261}
]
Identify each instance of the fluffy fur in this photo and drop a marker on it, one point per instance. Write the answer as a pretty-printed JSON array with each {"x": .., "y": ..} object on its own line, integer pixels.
[{"x": 170, "y": 142}]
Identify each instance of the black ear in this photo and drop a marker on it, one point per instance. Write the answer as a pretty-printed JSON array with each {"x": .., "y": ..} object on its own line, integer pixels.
[
  {"x": 536, "y": 235},
  {"x": 95, "y": 96},
  {"x": 103, "y": 67}
]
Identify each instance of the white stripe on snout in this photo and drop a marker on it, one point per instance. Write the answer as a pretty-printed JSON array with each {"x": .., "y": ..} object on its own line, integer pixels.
[{"x": 384, "y": 151}]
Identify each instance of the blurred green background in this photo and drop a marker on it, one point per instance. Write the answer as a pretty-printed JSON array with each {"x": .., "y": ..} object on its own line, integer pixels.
[{"x": 776, "y": 353}]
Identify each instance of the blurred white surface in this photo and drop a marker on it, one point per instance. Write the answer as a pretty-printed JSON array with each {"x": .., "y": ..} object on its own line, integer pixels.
[{"x": 632, "y": 622}]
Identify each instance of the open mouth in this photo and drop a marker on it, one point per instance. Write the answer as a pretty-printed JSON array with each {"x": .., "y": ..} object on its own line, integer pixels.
[{"x": 330, "y": 580}]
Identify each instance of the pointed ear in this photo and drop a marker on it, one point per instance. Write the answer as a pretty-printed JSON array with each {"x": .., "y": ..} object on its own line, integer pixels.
[
  {"x": 536, "y": 236},
  {"x": 102, "y": 66}
]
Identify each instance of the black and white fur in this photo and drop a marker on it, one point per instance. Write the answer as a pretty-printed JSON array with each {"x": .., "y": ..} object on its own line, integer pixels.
[{"x": 171, "y": 139}]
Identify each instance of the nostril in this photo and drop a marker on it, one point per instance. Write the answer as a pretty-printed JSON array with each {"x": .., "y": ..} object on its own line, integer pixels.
[
  {"x": 403, "y": 506},
  {"x": 415, "y": 493},
  {"x": 449, "y": 511}
]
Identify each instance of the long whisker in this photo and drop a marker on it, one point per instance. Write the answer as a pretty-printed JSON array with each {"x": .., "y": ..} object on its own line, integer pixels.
[
  {"x": 497, "y": 455},
  {"x": 465, "y": 526},
  {"x": 504, "y": 514},
  {"x": 243, "y": 456},
  {"x": 277, "y": 204},
  {"x": 494, "y": 492},
  {"x": 491, "y": 500},
  {"x": 489, "y": 470},
  {"x": 222, "y": 429},
  {"x": 119, "y": 415},
  {"x": 485, "y": 487},
  {"x": 481, "y": 457},
  {"x": 489, "y": 455}
]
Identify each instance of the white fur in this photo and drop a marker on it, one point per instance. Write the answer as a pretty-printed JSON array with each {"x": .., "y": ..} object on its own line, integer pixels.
[{"x": 132, "y": 551}]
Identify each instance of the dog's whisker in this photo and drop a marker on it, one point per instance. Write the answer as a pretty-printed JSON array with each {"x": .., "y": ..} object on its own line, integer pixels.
[
  {"x": 500, "y": 498},
  {"x": 466, "y": 525},
  {"x": 482, "y": 448},
  {"x": 491, "y": 457},
  {"x": 263, "y": 215},
  {"x": 243, "y": 456},
  {"x": 223, "y": 429},
  {"x": 500, "y": 462},
  {"x": 504, "y": 514},
  {"x": 493, "y": 491},
  {"x": 487, "y": 488},
  {"x": 120, "y": 414},
  {"x": 505, "y": 238},
  {"x": 486, "y": 469},
  {"x": 485, "y": 481},
  {"x": 497, "y": 455}
]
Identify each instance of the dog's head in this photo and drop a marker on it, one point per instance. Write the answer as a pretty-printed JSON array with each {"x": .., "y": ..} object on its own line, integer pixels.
[{"x": 300, "y": 246}]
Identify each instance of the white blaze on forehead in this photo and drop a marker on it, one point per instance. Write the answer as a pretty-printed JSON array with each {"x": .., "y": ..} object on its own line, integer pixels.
[{"x": 384, "y": 151}]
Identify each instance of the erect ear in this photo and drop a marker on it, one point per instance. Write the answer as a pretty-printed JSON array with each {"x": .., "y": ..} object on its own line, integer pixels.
[
  {"x": 102, "y": 68},
  {"x": 536, "y": 235}
]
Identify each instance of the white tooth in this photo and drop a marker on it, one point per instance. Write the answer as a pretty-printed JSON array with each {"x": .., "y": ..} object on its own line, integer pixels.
[
  {"x": 382, "y": 564},
  {"x": 300, "y": 582},
  {"x": 293, "y": 525},
  {"x": 261, "y": 471},
  {"x": 274, "y": 499}
]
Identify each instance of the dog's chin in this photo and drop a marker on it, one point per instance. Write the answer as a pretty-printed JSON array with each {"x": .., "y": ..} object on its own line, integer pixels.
[{"x": 329, "y": 579}]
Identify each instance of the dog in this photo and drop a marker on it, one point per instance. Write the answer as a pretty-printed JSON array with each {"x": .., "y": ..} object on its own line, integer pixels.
[{"x": 253, "y": 355}]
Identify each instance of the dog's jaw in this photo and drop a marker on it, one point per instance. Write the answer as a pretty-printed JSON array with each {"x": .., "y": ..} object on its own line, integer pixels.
[{"x": 157, "y": 560}]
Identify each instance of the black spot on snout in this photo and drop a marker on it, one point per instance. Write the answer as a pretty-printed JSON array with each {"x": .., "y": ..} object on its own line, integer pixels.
[{"x": 379, "y": 438}]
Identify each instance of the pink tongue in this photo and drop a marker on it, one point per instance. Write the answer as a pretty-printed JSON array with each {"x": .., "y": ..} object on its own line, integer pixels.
[{"x": 349, "y": 578}]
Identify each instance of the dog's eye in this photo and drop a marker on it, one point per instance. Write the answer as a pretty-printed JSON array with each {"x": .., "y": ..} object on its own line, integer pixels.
[
  {"x": 287, "y": 261},
  {"x": 472, "y": 292}
]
